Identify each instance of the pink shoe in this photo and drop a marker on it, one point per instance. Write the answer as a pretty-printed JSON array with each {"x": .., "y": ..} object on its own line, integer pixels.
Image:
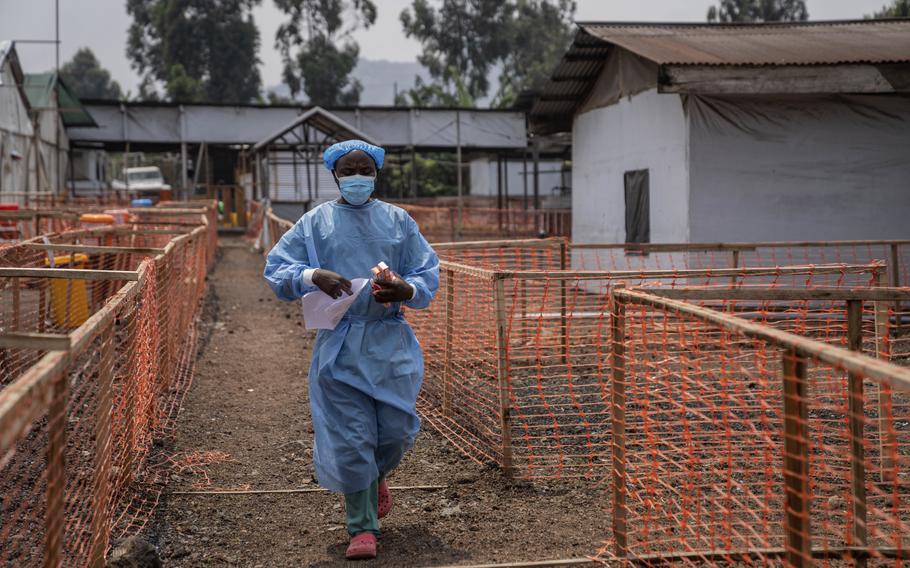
[
  {"x": 385, "y": 499},
  {"x": 362, "y": 547}
]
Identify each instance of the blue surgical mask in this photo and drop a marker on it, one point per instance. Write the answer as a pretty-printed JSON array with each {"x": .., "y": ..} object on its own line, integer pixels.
[{"x": 356, "y": 190}]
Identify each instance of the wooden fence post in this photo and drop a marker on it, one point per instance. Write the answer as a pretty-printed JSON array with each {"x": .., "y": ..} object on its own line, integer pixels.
[
  {"x": 56, "y": 473},
  {"x": 618, "y": 415},
  {"x": 886, "y": 436},
  {"x": 14, "y": 282},
  {"x": 505, "y": 403},
  {"x": 856, "y": 420},
  {"x": 563, "y": 311},
  {"x": 103, "y": 442},
  {"x": 796, "y": 460},
  {"x": 449, "y": 332},
  {"x": 895, "y": 266}
]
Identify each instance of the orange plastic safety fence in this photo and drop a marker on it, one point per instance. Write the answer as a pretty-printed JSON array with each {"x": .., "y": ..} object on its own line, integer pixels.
[
  {"x": 730, "y": 443},
  {"x": 518, "y": 362},
  {"x": 82, "y": 430},
  {"x": 441, "y": 224}
]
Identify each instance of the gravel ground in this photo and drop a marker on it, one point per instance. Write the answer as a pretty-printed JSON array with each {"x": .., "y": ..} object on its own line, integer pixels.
[{"x": 247, "y": 417}]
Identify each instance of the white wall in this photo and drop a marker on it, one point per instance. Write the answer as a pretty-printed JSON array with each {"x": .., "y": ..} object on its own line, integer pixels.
[
  {"x": 646, "y": 131},
  {"x": 484, "y": 173},
  {"x": 800, "y": 168}
]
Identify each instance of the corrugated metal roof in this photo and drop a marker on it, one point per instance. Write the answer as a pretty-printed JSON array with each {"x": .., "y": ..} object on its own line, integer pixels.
[
  {"x": 766, "y": 44},
  {"x": 821, "y": 43}
]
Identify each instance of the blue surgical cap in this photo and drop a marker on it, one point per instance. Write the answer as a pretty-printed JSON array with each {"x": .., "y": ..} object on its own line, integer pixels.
[{"x": 334, "y": 152}]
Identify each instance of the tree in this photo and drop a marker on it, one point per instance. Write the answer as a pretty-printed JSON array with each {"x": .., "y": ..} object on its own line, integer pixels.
[
  {"x": 461, "y": 39},
  {"x": 195, "y": 50},
  {"x": 742, "y": 11},
  {"x": 321, "y": 30},
  {"x": 539, "y": 33},
  {"x": 87, "y": 78},
  {"x": 464, "y": 40},
  {"x": 898, "y": 9}
]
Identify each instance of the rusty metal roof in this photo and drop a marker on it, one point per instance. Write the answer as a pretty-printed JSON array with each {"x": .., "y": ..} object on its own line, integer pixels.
[
  {"x": 819, "y": 43},
  {"x": 767, "y": 44}
]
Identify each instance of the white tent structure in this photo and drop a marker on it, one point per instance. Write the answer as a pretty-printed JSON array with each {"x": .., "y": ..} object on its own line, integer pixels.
[
  {"x": 17, "y": 161},
  {"x": 707, "y": 133}
]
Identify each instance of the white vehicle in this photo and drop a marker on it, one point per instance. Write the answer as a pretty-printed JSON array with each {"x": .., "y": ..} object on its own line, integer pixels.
[{"x": 144, "y": 180}]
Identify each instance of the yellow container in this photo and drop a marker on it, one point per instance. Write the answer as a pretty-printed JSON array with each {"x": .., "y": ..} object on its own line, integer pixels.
[
  {"x": 69, "y": 298},
  {"x": 233, "y": 219}
]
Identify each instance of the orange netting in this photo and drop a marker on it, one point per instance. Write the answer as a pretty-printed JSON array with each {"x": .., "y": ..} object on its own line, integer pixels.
[
  {"x": 517, "y": 362},
  {"x": 96, "y": 355},
  {"x": 732, "y": 441},
  {"x": 441, "y": 224}
]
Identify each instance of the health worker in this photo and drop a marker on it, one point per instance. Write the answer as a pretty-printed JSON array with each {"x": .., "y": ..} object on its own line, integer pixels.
[{"x": 366, "y": 373}]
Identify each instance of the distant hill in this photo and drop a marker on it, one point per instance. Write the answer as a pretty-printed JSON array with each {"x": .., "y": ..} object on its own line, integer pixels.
[{"x": 378, "y": 79}]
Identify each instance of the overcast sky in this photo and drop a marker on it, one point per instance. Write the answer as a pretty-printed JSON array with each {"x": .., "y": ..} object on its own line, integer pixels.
[{"x": 102, "y": 24}]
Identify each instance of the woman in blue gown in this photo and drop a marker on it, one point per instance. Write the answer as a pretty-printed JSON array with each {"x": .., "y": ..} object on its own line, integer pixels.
[{"x": 366, "y": 373}]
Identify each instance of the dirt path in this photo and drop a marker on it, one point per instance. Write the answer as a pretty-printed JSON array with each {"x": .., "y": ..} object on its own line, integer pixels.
[{"x": 249, "y": 404}]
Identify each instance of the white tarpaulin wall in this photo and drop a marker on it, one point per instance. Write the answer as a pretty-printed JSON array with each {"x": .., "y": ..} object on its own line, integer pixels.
[
  {"x": 16, "y": 134},
  {"x": 799, "y": 168}
]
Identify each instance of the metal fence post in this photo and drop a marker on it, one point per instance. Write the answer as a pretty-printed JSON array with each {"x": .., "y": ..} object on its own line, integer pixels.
[
  {"x": 856, "y": 420},
  {"x": 618, "y": 403},
  {"x": 503, "y": 375},
  {"x": 796, "y": 460}
]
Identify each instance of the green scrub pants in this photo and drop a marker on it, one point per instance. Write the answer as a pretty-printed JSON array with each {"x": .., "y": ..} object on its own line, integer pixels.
[{"x": 362, "y": 510}]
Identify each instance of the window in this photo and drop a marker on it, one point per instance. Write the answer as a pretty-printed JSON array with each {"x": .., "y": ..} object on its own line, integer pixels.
[{"x": 638, "y": 207}]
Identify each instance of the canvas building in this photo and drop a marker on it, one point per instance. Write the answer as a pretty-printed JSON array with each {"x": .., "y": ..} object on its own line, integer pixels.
[
  {"x": 707, "y": 133},
  {"x": 16, "y": 133}
]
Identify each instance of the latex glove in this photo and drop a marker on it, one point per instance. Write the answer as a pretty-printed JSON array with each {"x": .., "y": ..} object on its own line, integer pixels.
[
  {"x": 332, "y": 283},
  {"x": 394, "y": 290}
]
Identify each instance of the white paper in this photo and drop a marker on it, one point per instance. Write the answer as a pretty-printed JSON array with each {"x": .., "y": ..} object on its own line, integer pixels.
[{"x": 321, "y": 311}]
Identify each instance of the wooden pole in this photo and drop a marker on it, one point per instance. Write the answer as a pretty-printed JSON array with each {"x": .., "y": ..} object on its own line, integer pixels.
[
  {"x": 895, "y": 266},
  {"x": 449, "y": 332},
  {"x": 14, "y": 282},
  {"x": 503, "y": 376},
  {"x": 103, "y": 446},
  {"x": 856, "y": 419},
  {"x": 563, "y": 312},
  {"x": 618, "y": 396},
  {"x": 796, "y": 460},
  {"x": 56, "y": 473},
  {"x": 887, "y": 438}
]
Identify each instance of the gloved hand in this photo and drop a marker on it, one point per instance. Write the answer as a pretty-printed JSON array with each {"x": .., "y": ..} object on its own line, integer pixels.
[
  {"x": 331, "y": 283},
  {"x": 394, "y": 290}
]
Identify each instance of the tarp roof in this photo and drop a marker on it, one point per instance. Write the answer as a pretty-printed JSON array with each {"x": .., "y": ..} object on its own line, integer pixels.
[
  {"x": 803, "y": 43},
  {"x": 39, "y": 88}
]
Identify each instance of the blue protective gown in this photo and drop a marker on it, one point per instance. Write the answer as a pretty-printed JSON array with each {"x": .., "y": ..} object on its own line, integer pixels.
[{"x": 366, "y": 373}]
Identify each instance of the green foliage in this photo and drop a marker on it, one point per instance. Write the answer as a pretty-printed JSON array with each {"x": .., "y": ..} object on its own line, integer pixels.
[
  {"x": 744, "y": 11},
  {"x": 197, "y": 50},
  {"x": 539, "y": 34},
  {"x": 461, "y": 39},
  {"x": 464, "y": 40},
  {"x": 320, "y": 31},
  {"x": 437, "y": 175},
  {"x": 897, "y": 9},
  {"x": 87, "y": 79}
]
